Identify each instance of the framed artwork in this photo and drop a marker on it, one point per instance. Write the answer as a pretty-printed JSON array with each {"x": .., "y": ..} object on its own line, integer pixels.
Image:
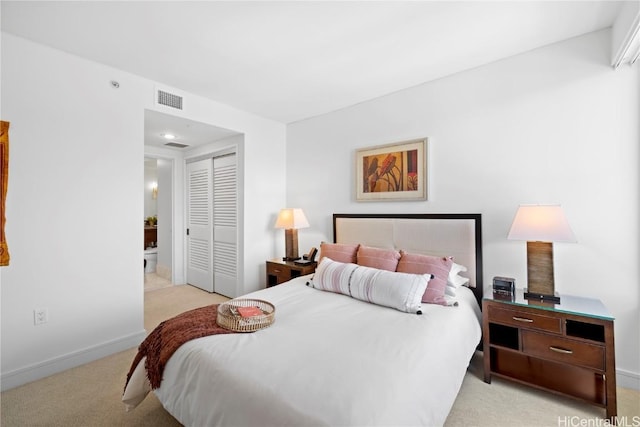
[
  {"x": 395, "y": 171},
  {"x": 4, "y": 176}
]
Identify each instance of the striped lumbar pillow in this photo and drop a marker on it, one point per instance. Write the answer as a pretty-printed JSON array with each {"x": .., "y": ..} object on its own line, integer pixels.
[{"x": 402, "y": 291}]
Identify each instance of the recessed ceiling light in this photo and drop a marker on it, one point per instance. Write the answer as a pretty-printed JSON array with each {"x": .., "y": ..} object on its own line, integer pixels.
[{"x": 168, "y": 136}]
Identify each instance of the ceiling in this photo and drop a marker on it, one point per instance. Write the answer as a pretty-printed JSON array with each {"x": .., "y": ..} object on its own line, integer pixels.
[
  {"x": 292, "y": 60},
  {"x": 186, "y": 132}
]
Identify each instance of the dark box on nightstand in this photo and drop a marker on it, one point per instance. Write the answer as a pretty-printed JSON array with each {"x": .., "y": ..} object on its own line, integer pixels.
[{"x": 504, "y": 288}]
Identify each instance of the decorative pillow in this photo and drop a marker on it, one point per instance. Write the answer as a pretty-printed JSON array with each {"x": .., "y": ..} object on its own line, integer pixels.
[
  {"x": 401, "y": 291},
  {"x": 333, "y": 276},
  {"x": 383, "y": 259},
  {"x": 439, "y": 267},
  {"x": 339, "y": 252}
]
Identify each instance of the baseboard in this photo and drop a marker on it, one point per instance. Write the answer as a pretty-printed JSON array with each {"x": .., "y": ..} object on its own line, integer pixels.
[
  {"x": 626, "y": 379},
  {"x": 18, "y": 377},
  {"x": 163, "y": 271}
]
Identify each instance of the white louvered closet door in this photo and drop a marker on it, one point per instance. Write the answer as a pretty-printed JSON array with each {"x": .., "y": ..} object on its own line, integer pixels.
[
  {"x": 225, "y": 226},
  {"x": 199, "y": 228}
]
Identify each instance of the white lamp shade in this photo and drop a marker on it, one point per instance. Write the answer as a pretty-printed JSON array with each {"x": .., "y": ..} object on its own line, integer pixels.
[
  {"x": 541, "y": 223},
  {"x": 291, "y": 218}
]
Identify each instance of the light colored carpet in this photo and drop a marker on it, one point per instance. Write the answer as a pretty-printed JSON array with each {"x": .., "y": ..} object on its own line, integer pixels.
[
  {"x": 89, "y": 395},
  {"x": 504, "y": 403},
  {"x": 153, "y": 282}
]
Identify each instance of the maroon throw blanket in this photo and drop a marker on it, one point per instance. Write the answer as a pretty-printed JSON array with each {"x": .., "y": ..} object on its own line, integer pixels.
[{"x": 165, "y": 339}]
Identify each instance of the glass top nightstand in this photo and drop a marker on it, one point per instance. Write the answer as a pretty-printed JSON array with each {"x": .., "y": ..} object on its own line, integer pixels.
[
  {"x": 566, "y": 348},
  {"x": 569, "y": 304}
]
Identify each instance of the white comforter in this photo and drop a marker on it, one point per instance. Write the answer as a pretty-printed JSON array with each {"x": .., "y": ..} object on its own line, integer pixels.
[{"x": 327, "y": 360}]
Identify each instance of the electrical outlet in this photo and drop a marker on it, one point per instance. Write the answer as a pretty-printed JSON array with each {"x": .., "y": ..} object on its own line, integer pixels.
[{"x": 40, "y": 316}]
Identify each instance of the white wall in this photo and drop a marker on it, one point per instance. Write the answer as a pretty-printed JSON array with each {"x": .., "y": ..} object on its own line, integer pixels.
[
  {"x": 150, "y": 179},
  {"x": 74, "y": 210},
  {"x": 623, "y": 30},
  {"x": 75, "y": 204},
  {"x": 165, "y": 217},
  {"x": 555, "y": 125}
]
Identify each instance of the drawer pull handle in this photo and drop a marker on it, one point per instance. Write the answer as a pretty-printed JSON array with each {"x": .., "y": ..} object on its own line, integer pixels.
[
  {"x": 561, "y": 350},
  {"x": 276, "y": 271},
  {"x": 522, "y": 319}
]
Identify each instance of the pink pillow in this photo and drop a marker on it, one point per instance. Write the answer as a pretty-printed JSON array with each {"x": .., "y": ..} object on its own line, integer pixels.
[
  {"x": 439, "y": 268},
  {"x": 339, "y": 252},
  {"x": 382, "y": 259}
]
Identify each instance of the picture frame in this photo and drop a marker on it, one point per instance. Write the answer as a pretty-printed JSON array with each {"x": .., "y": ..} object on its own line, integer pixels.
[
  {"x": 4, "y": 178},
  {"x": 393, "y": 172}
]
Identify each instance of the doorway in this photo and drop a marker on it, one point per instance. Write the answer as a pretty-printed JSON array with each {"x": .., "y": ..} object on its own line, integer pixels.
[
  {"x": 158, "y": 217},
  {"x": 190, "y": 141}
]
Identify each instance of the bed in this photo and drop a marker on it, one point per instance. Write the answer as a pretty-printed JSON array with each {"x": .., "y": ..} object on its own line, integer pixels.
[{"x": 332, "y": 359}]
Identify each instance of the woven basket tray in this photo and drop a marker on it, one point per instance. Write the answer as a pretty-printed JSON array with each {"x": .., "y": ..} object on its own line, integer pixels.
[{"x": 229, "y": 318}]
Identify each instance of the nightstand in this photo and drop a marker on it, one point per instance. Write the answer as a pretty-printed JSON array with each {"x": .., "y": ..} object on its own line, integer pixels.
[
  {"x": 279, "y": 271},
  {"x": 565, "y": 348}
]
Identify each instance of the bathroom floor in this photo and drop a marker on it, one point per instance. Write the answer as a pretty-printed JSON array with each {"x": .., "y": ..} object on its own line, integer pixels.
[{"x": 152, "y": 282}]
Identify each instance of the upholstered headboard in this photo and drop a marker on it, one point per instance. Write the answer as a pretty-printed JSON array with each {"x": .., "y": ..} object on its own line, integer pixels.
[{"x": 456, "y": 235}]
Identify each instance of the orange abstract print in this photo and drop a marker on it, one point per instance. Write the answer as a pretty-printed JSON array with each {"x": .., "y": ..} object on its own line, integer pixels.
[
  {"x": 4, "y": 177},
  {"x": 395, "y": 171}
]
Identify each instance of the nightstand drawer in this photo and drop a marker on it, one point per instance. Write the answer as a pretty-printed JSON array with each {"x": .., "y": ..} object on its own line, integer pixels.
[
  {"x": 279, "y": 271},
  {"x": 525, "y": 320},
  {"x": 275, "y": 269},
  {"x": 563, "y": 350}
]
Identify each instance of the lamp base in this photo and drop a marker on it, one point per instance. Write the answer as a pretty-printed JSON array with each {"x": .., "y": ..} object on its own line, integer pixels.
[
  {"x": 555, "y": 298},
  {"x": 540, "y": 283},
  {"x": 291, "y": 244}
]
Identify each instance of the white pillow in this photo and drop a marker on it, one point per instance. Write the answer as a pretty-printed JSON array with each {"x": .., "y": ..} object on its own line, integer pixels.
[
  {"x": 455, "y": 280},
  {"x": 333, "y": 276},
  {"x": 450, "y": 291},
  {"x": 402, "y": 291}
]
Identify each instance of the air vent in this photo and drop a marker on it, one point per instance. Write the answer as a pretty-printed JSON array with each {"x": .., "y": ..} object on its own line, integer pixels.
[
  {"x": 176, "y": 145},
  {"x": 169, "y": 99}
]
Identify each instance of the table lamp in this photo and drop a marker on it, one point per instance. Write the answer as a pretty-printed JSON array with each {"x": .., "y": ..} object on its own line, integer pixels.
[
  {"x": 291, "y": 220},
  {"x": 540, "y": 226}
]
